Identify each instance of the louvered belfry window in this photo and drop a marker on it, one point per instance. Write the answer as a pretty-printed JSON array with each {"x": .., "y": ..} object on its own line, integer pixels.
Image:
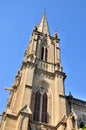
[{"x": 44, "y": 53}]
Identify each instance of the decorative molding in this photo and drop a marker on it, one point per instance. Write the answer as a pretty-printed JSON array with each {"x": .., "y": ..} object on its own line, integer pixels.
[{"x": 44, "y": 73}]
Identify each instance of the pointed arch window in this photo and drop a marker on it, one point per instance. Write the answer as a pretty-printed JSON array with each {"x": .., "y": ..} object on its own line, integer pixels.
[
  {"x": 44, "y": 53},
  {"x": 44, "y": 108},
  {"x": 37, "y": 106},
  {"x": 40, "y": 107}
]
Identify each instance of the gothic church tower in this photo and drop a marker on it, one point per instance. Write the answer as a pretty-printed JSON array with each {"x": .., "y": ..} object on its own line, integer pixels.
[{"x": 36, "y": 98}]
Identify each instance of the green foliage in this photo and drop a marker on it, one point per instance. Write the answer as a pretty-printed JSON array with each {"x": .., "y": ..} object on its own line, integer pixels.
[{"x": 84, "y": 127}]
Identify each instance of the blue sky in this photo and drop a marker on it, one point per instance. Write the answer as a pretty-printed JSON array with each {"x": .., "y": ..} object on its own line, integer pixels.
[{"x": 17, "y": 20}]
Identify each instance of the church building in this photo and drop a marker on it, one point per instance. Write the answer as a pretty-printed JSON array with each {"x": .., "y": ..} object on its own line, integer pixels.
[{"x": 37, "y": 99}]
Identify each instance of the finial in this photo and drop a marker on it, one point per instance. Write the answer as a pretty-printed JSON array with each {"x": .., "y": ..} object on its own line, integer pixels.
[
  {"x": 56, "y": 35},
  {"x": 45, "y": 11},
  {"x": 36, "y": 27},
  {"x": 70, "y": 96}
]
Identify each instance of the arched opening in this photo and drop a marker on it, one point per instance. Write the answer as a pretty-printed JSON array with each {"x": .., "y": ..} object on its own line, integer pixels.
[
  {"x": 81, "y": 124},
  {"x": 37, "y": 106},
  {"x": 44, "y": 53},
  {"x": 44, "y": 108},
  {"x": 40, "y": 107}
]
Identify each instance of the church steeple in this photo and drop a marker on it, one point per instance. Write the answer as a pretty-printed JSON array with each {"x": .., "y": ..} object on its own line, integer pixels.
[
  {"x": 37, "y": 95},
  {"x": 43, "y": 26}
]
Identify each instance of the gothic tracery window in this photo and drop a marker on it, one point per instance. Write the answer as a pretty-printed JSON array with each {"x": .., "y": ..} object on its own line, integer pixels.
[{"x": 40, "y": 107}]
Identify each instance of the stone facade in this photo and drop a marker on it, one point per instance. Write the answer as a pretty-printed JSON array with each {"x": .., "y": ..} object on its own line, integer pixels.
[
  {"x": 37, "y": 98},
  {"x": 79, "y": 107}
]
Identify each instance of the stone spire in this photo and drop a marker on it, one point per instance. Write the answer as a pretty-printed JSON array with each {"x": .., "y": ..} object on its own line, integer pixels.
[{"x": 43, "y": 27}]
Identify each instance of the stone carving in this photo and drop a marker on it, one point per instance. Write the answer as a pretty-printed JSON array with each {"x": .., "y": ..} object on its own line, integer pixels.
[{"x": 17, "y": 79}]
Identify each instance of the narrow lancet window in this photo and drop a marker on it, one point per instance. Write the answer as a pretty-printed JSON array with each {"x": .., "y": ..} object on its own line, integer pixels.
[
  {"x": 42, "y": 53},
  {"x": 46, "y": 54},
  {"x": 37, "y": 107},
  {"x": 44, "y": 108}
]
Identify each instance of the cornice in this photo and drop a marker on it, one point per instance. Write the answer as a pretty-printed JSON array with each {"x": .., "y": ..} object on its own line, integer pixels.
[
  {"x": 60, "y": 73},
  {"x": 28, "y": 63},
  {"x": 76, "y": 101},
  {"x": 46, "y": 73},
  {"x": 31, "y": 64},
  {"x": 37, "y": 59}
]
